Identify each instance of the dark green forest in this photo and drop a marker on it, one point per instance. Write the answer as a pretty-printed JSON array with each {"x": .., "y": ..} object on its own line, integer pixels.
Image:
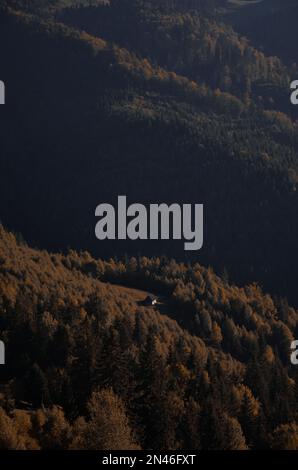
[
  {"x": 270, "y": 25},
  {"x": 166, "y": 95},
  {"x": 169, "y": 101}
]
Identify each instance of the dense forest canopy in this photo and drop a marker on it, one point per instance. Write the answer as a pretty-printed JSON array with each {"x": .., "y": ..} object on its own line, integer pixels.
[
  {"x": 93, "y": 119},
  {"x": 162, "y": 101},
  {"x": 270, "y": 25},
  {"x": 186, "y": 41},
  {"x": 208, "y": 368}
]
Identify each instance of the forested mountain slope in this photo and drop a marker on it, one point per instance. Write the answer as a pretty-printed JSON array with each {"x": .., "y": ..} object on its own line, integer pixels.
[
  {"x": 86, "y": 121},
  {"x": 161, "y": 101},
  {"x": 78, "y": 93},
  {"x": 181, "y": 37},
  {"x": 86, "y": 361},
  {"x": 270, "y": 25}
]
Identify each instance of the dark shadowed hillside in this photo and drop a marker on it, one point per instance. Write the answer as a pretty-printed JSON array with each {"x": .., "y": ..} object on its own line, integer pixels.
[
  {"x": 129, "y": 345},
  {"x": 182, "y": 37},
  {"x": 87, "y": 120},
  {"x": 270, "y": 24}
]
